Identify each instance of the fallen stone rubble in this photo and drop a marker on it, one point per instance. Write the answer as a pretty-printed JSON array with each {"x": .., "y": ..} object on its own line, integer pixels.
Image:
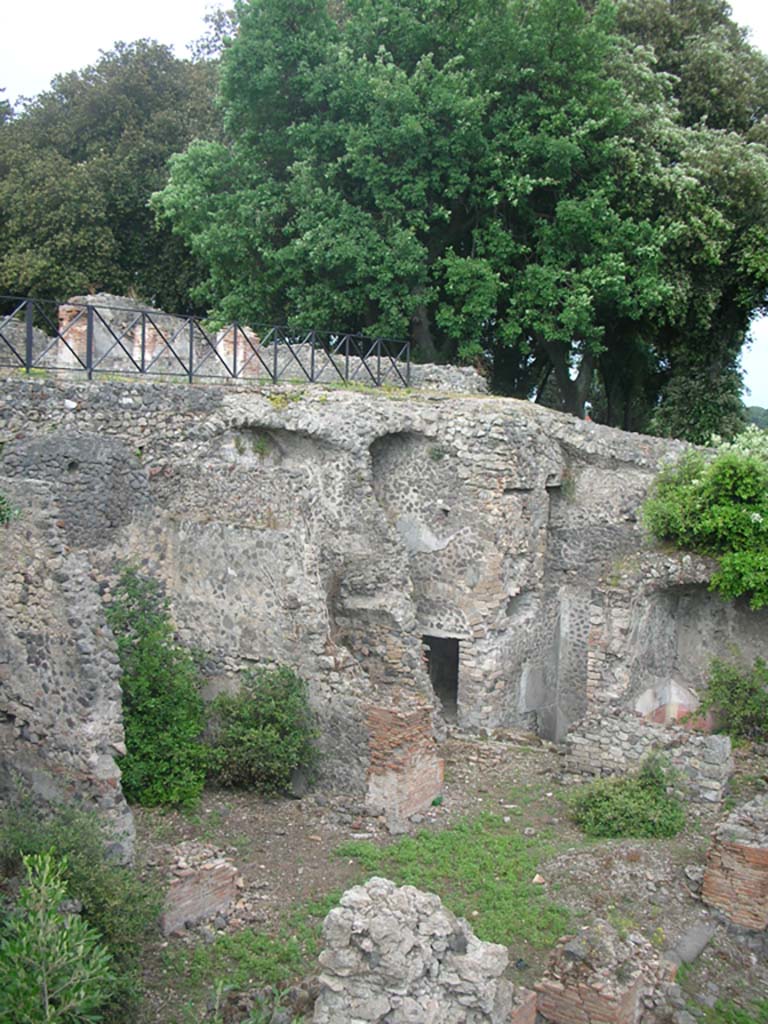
[{"x": 397, "y": 955}]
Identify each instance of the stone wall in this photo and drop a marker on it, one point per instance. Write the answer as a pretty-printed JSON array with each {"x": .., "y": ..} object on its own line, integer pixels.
[
  {"x": 333, "y": 531},
  {"x": 613, "y": 745}
]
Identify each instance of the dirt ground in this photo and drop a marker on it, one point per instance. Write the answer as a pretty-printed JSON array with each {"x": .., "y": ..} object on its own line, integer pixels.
[{"x": 284, "y": 850}]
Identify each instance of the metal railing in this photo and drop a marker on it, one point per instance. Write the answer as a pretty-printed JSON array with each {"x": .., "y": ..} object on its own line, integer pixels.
[{"x": 92, "y": 339}]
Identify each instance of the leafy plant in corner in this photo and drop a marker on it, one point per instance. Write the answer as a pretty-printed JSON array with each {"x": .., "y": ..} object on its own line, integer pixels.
[
  {"x": 163, "y": 711},
  {"x": 262, "y": 734},
  {"x": 53, "y": 967},
  {"x": 740, "y": 696},
  {"x": 115, "y": 901},
  {"x": 635, "y": 806}
]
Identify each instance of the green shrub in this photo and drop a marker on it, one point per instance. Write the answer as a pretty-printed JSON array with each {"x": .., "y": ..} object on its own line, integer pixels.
[
  {"x": 53, "y": 967},
  {"x": 115, "y": 901},
  {"x": 740, "y": 696},
  {"x": 7, "y": 511},
  {"x": 637, "y": 806},
  {"x": 163, "y": 711},
  {"x": 719, "y": 506},
  {"x": 731, "y": 1013},
  {"x": 263, "y": 733}
]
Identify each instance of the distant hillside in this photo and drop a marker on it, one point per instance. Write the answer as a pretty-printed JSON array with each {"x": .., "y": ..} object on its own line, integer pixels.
[{"x": 756, "y": 414}]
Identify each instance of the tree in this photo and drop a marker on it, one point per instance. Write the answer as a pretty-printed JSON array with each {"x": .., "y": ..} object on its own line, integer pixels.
[
  {"x": 77, "y": 167},
  {"x": 506, "y": 179}
]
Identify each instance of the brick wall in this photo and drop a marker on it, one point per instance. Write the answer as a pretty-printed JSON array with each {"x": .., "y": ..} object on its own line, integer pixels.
[{"x": 736, "y": 874}]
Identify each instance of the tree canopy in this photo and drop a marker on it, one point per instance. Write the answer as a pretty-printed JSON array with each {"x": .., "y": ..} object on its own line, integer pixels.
[
  {"x": 77, "y": 167},
  {"x": 513, "y": 179}
]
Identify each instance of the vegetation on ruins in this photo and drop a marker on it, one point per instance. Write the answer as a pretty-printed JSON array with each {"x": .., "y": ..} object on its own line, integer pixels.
[
  {"x": 262, "y": 734},
  {"x": 163, "y": 712},
  {"x": 115, "y": 903},
  {"x": 53, "y": 967},
  {"x": 739, "y": 695},
  {"x": 718, "y": 505},
  {"x": 7, "y": 511},
  {"x": 636, "y": 806}
]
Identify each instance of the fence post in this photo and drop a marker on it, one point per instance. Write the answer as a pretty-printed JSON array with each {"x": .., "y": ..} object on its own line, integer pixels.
[
  {"x": 408, "y": 364},
  {"x": 378, "y": 362},
  {"x": 274, "y": 358},
  {"x": 29, "y": 336},
  {"x": 312, "y": 342},
  {"x": 190, "y": 371},
  {"x": 346, "y": 358},
  {"x": 143, "y": 342},
  {"x": 234, "y": 352},
  {"x": 89, "y": 340}
]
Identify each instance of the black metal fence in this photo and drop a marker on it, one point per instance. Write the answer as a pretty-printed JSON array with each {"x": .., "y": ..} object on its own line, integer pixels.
[{"x": 90, "y": 338}]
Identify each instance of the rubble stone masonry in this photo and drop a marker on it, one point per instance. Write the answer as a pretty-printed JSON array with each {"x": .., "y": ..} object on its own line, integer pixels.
[{"x": 333, "y": 530}]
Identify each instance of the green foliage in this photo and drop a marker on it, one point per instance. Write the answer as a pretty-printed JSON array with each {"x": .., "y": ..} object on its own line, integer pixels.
[
  {"x": 482, "y": 865},
  {"x": 513, "y": 181},
  {"x": 53, "y": 967},
  {"x": 7, "y": 511},
  {"x": 636, "y": 806},
  {"x": 264, "y": 732},
  {"x": 121, "y": 907},
  {"x": 719, "y": 506},
  {"x": 163, "y": 712},
  {"x": 731, "y": 1013},
  {"x": 77, "y": 166},
  {"x": 740, "y": 696}
]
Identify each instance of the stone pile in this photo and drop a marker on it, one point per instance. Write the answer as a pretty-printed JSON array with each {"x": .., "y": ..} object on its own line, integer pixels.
[
  {"x": 598, "y": 977},
  {"x": 736, "y": 874},
  {"x": 202, "y": 884},
  {"x": 397, "y": 955},
  {"x": 614, "y": 744}
]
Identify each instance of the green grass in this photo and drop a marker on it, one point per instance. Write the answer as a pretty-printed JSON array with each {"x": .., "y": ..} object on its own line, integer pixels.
[
  {"x": 248, "y": 958},
  {"x": 482, "y": 869},
  {"x": 732, "y": 1013}
]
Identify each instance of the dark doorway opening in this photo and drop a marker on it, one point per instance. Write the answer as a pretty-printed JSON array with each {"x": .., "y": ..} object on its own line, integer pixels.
[{"x": 443, "y": 666}]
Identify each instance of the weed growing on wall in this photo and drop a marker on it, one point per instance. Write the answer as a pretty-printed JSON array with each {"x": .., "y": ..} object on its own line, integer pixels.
[
  {"x": 7, "y": 511},
  {"x": 163, "y": 711},
  {"x": 637, "y": 806},
  {"x": 118, "y": 904},
  {"x": 740, "y": 697},
  {"x": 719, "y": 506},
  {"x": 53, "y": 967},
  {"x": 262, "y": 734}
]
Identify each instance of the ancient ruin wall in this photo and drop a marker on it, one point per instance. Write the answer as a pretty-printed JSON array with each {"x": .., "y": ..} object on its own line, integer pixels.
[{"x": 332, "y": 531}]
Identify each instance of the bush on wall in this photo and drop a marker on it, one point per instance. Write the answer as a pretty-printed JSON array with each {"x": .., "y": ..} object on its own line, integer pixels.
[
  {"x": 740, "y": 697},
  {"x": 719, "y": 506},
  {"x": 163, "y": 711},
  {"x": 263, "y": 733}
]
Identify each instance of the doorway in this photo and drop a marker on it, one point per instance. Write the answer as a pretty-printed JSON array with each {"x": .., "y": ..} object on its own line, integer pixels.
[{"x": 442, "y": 654}]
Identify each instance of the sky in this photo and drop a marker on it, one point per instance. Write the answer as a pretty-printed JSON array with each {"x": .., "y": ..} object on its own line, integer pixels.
[{"x": 42, "y": 38}]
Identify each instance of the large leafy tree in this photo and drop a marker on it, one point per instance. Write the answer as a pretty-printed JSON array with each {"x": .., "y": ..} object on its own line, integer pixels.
[
  {"x": 510, "y": 177},
  {"x": 77, "y": 167}
]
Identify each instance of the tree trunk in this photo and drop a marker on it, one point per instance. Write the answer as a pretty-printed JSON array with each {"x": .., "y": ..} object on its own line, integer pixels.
[
  {"x": 421, "y": 335},
  {"x": 574, "y": 392}
]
